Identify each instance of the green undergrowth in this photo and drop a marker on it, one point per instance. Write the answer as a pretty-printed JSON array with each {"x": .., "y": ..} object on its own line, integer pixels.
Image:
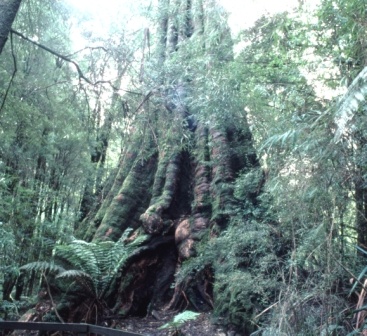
[
  {"x": 246, "y": 268},
  {"x": 86, "y": 272}
]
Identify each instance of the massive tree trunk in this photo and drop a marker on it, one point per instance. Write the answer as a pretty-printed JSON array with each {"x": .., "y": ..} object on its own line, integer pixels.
[
  {"x": 8, "y": 11},
  {"x": 176, "y": 181}
]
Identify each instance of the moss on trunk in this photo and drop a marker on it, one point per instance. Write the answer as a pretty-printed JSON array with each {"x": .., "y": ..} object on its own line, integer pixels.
[
  {"x": 183, "y": 195},
  {"x": 164, "y": 189},
  {"x": 125, "y": 208}
]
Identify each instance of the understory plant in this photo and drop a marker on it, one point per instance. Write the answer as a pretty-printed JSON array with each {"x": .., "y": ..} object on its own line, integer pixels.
[
  {"x": 175, "y": 325},
  {"x": 86, "y": 272}
]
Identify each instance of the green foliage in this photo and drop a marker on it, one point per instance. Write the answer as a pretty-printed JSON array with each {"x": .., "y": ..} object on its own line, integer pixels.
[
  {"x": 52, "y": 123},
  {"x": 7, "y": 247},
  {"x": 89, "y": 271},
  {"x": 99, "y": 263},
  {"x": 9, "y": 310},
  {"x": 42, "y": 266},
  {"x": 179, "y": 320},
  {"x": 308, "y": 172},
  {"x": 242, "y": 257},
  {"x": 278, "y": 262},
  {"x": 246, "y": 272},
  {"x": 351, "y": 103}
]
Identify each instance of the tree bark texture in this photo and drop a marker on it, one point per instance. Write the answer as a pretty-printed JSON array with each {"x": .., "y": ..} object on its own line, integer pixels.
[
  {"x": 175, "y": 195},
  {"x": 8, "y": 11}
]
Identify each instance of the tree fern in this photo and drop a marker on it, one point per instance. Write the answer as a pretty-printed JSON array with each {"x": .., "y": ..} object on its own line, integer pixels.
[
  {"x": 80, "y": 255},
  {"x": 92, "y": 267},
  {"x": 100, "y": 262},
  {"x": 116, "y": 256},
  {"x": 81, "y": 278}
]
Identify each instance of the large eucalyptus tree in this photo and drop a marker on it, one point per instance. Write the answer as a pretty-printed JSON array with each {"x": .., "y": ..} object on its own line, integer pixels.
[{"x": 189, "y": 141}]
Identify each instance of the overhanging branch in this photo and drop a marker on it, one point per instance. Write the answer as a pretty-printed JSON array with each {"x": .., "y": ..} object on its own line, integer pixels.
[
  {"x": 53, "y": 52},
  {"x": 69, "y": 60}
]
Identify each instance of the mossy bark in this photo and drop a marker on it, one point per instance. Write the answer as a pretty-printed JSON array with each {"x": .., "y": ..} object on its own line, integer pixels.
[
  {"x": 125, "y": 208},
  {"x": 176, "y": 197},
  {"x": 164, "y": 189},
  {"x": 182, "y": 194}
]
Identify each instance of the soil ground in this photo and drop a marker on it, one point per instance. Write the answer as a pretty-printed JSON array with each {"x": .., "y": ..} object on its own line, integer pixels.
[
  {"x": 149, "y": 326},
  {"x": 146, "y": 326}
]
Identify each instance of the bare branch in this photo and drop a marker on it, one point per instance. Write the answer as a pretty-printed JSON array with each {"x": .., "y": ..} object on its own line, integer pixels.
[
  {"x": 87, "y": 48},
  {"x": 69, "y": 60},
  {"x": 147, "y": 96}
]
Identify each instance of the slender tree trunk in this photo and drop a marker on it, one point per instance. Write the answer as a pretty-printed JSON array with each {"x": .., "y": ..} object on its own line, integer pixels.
[
  {"x": 8, "y": 11},
  {"x": 361, "y": 214}
]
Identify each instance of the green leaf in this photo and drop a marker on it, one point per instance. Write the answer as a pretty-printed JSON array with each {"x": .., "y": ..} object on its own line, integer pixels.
[
  {"x": 180, "y": 319},
  {"x": 73, "y": 274},
  {"x": 42, "y": 266},
  {"x": 360, "y": 276}
]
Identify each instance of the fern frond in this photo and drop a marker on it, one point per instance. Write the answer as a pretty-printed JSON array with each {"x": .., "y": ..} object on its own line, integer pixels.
[
  {"x": 95, "y": 266},
  {"x": 82, "y": 278},
  {"x": 87, "y": 284},
  {"x": 350, "y": 102},
  {"x": 185, "y": 316},
  {"x": 180, "y": 319},
  {"x": 42, "y": 266},
  {"x": 79, "y": 254},
  {"x": 122, "y": 250},
  {"x": 101, "y": 252},
  {"x": 73, "y": 274},
  {"x": 117, "y": 257}
]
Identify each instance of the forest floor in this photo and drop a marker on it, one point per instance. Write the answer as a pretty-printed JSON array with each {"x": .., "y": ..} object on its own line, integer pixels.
[
  {"x": 146, "y": 326},
  {"x": 149, "y": 326}
]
